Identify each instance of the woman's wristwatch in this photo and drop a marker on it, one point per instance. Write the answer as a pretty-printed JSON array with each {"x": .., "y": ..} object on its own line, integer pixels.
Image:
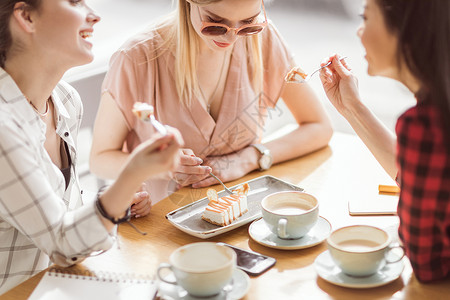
[{"x": 265, "y": 160}]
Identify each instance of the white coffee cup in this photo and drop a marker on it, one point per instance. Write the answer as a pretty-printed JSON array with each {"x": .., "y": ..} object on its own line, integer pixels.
[
  {"x": 202, "y": 269},
  {"x": 290, "y": 214},
  {"x": 361, "y": 250}
]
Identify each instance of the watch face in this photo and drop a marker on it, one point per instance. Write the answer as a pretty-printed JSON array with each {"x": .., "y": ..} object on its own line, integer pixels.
[{"x": 265, "y": 162}]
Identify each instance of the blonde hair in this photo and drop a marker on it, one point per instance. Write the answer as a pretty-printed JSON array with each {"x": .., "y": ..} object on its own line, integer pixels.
[{"x": 182, "y": 36}]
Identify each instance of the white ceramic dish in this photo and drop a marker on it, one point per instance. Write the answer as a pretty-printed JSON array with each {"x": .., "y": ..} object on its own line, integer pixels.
[
  {"x": 237, "y": 290},
  {"x": 261, "y": 234},
  {"x": 188, "y": 218},
  {"x": 328, "y": 271}
]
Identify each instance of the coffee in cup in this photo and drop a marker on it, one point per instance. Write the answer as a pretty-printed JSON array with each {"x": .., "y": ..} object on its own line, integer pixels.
[
  {"x": 361, "y": 250},
  {"x": 290, "y": 214},
  {"x": 202, "y": 269}
]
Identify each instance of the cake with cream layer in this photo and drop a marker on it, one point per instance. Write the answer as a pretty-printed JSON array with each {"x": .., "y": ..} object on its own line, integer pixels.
[
  {"x": 143, "y": 111},
  {"x": 296, "y": 75},
  {"x": 223, "y": 211}
]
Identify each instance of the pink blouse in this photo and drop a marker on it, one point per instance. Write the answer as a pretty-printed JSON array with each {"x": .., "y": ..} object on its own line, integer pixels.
[{"x": 143, "y": 70}]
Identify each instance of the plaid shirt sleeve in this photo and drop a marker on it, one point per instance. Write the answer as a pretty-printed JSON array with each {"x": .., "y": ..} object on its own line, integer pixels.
[
  {"x": 424, "y": 206},
  {"x": 29, "y": 203}
]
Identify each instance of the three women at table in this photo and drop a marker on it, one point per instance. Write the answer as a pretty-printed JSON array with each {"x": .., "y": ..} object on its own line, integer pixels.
[
  {"x": 215, "y": 73},
  {"x": 409, "y": 41},
  {"x": 41, "y": 217}
]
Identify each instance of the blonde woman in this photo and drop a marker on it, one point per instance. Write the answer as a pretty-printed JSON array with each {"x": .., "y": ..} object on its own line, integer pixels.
[{"x": 214, "y": 72}]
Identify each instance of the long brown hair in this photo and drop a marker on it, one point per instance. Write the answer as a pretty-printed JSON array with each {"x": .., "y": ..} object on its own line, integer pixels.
[
  {"x": 423, "y": 31},
  {"x": 6, "y": 11}
]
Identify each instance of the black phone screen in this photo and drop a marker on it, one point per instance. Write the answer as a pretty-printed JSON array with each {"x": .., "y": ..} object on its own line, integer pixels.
[
  {"x": 252, "y": 262},
  {"x": 247, "y": 259}
]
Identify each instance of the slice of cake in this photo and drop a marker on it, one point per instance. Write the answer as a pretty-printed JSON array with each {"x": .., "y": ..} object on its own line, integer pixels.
[
  {"x": 223, "y": 211},
  {"x": 296, "y": 75},
  {"x": 143, "y": 111}
]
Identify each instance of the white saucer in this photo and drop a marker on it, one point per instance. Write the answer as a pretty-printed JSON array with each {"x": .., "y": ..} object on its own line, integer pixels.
[
  {"x": 326, "y": 269},
  {"x": 259, "y": 232},
  {"x": 239, "y": 288}
]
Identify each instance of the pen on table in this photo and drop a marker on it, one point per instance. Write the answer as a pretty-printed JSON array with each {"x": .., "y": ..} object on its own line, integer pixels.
[{"x": 391, "y": 189}]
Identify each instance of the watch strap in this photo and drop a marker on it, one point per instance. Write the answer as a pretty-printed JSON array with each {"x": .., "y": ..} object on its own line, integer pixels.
[
  {"x": 265, "y": 152},
  {"x": 260, "y": 147}
]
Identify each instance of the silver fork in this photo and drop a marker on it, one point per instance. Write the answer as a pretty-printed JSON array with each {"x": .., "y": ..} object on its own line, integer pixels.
[
  {"x": 314, "y": 72},
  {"x": 157, "y": 125},
  {"x": 146, "y": 112},
  {"x": 220, "y": 181}
]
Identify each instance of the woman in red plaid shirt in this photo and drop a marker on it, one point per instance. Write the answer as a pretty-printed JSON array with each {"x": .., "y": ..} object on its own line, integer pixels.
[{"x": 409, "y": 41}]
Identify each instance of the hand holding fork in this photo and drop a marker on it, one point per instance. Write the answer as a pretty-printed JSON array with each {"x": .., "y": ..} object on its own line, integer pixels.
[{"x": 297, "y": 75}]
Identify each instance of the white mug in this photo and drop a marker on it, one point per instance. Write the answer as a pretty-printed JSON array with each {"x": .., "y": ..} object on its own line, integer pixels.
[
  {"x": 202, "y": 269},
  {"x": 361, "y": 250},
  {"x": 290, "y": 214}
]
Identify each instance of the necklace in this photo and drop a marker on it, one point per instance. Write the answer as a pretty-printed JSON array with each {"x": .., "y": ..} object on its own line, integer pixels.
[
  {"x": 209, "y": 101},
  {"x": 36, "y": 110}
]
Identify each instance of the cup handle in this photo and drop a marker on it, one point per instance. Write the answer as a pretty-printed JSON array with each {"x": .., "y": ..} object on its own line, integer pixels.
[
  {"x": 398, "y": 259},
  {"x": 281, "y": 229},
  {"x": 165, "y": 266}
]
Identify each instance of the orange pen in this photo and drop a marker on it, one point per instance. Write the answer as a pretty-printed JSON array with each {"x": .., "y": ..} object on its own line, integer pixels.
[{"x": 393, "y": 189}]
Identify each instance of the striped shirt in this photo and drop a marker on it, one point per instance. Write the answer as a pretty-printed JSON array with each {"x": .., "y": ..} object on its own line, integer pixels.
[{"x": 41, "y": 222}]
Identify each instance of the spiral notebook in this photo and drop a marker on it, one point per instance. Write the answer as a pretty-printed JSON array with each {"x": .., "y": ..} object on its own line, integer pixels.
[{"x": 56, "y": 285}]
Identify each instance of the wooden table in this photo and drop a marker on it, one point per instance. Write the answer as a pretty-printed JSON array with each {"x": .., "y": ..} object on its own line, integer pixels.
[{"x": 334, "y": 174}]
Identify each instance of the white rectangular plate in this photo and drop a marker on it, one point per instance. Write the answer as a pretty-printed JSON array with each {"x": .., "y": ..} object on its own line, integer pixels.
[{"x": 189, "y": 218}]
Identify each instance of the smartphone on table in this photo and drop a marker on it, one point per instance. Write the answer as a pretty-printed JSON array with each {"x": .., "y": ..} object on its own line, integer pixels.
[{"x": 251, "y": 262}]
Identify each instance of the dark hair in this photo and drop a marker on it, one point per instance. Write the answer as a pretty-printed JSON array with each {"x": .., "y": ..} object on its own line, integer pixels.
[
  {"x": 423, "y": 31},
  {"x": 6, "y": 10}
]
